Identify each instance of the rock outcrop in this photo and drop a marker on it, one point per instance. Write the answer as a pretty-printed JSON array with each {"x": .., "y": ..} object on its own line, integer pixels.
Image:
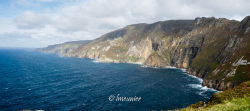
[{"x": 207, "y": 47}]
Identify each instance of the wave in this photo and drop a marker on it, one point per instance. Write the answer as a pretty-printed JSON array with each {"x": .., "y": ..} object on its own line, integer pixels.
[
  {"x": 96, "y": 61},
  {"x": 199, "y": 79},
  {"x": 145, "y": 66},
  {"x": 202, "y": 89},
  {"x": 100, "y": 61},
  {"x": 139, "y": 63},
  {"x": 166, "y": 67},
  {"x": 197, "y": 86}
]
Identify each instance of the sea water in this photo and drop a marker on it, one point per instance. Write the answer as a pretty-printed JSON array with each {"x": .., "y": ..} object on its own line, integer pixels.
[{"x": 38, "y": 81}]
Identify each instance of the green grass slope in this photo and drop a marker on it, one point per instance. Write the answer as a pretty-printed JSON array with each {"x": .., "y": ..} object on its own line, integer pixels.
[{"x": 235, "y": 99}]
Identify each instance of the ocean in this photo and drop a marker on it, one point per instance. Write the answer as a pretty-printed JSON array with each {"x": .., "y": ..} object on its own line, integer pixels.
[{"x": 30, "y": 80}]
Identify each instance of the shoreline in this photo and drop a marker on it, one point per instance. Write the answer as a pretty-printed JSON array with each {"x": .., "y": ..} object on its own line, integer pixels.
[
  {"x": 202, "y": 88},
  {"x": 200, "y": 85},
  {"x": 142, "y": 65}
]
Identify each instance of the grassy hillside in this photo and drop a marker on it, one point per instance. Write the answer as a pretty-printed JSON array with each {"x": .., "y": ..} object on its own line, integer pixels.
[{"x": 235, "y": 99}]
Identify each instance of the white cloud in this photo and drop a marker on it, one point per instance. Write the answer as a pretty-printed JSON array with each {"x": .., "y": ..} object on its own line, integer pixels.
[
  {"x": 88, "y": 19},
  {"x": 30, "y": 20},
  {"x": 24, "y": 2}
]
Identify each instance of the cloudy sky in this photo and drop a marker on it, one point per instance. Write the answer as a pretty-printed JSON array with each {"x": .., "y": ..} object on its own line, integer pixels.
[{"x": 38, "y": 23}]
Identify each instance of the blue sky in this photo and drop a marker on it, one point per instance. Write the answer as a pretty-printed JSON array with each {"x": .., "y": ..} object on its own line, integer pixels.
[
  {"x": 10, "y": 8},
  {"x": 38, "y": 23}
]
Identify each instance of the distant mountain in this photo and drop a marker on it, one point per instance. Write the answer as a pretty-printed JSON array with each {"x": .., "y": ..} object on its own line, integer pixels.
[
  {"x": 206, "y": 47},
  {"x": 63, "y": 48}
]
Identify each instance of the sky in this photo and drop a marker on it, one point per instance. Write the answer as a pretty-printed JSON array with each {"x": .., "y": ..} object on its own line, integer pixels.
[{"x": 38, "y": 23}]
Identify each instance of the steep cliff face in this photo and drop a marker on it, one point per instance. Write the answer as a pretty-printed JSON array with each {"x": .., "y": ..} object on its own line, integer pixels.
[
  {"x": 207, "y": 47},
  {"x": 224, "y": 74}
]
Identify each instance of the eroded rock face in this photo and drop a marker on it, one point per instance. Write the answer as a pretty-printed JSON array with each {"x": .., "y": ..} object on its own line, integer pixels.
[
  {"x": 155, "y": 60},
  {"x": 205, "y": 46},
  {"x": 217, "y": 84}
]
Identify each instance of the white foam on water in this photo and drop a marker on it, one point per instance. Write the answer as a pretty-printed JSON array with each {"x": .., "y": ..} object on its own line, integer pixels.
[
  {"x": 170, "y": 67},
  {"x": 145, "y": 66},
  {"x": 183, "y": 70},
  {"x": 166, "y": 67},
  {"x": 139, "y": 63},
  {"x": 96, "y": 61},
  {"x": 202, "y": 89},
  {"x": 199, "y": 79},
  {"x": 197, "y": 86}
]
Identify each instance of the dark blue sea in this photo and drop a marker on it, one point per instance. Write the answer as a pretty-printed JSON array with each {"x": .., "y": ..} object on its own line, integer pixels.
[{"x": 37, "y": 81}]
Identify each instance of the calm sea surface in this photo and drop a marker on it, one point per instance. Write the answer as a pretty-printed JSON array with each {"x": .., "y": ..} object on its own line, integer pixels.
[{"x": 32, "y": 80}]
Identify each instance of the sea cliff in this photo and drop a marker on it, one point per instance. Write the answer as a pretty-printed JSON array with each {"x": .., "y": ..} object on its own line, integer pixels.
[{"x": 206, "y": 47}]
